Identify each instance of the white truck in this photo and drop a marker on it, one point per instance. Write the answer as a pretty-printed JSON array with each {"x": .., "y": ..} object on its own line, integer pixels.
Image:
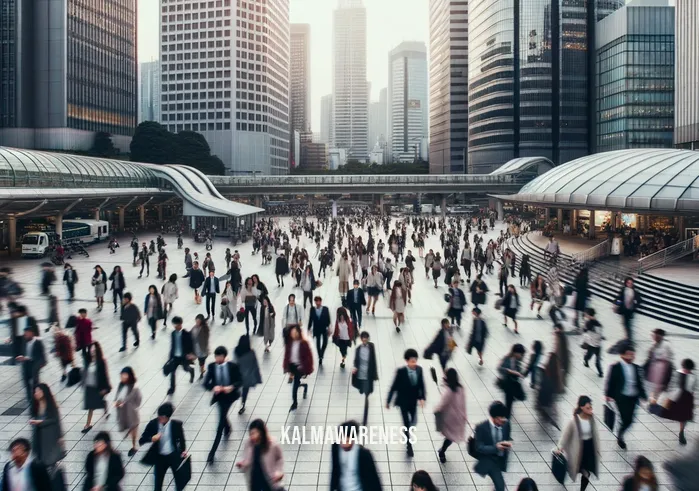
[{"x": 37, "y": 244}]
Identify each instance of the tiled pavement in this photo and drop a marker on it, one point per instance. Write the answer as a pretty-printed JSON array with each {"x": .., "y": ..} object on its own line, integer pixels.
[{"x": 331, "y": 398}]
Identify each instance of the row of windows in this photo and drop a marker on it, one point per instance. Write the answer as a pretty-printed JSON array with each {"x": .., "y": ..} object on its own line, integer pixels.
[
  {"x": 194, "y": 5},
  {"x": 195, "y": 105},
  {"x": 196, "y": 95},
  {"x": 196, "y": 116}
]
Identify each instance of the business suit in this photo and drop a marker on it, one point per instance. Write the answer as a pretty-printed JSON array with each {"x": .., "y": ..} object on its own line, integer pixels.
[
  {"x": 368, "y": 475},
  {"x": 161, "y": 461},
  {"x": 320, "y": 325},
  {"x": 490, "y": 462},
  {"x": 39, "y": 476},
  {"x": 355, "y": 301},
  {"x": 115, "y": 472},
  {"x": 407, "y": 394},
  {"x": 224, "y": 401},
  {"x": 180, "y": 359},
  {"x": 70, "y": 278},
  {"x": 627, "y": 313},
  {"x": 616, "y": 382},
  {"x": 36, "y": 359},
  {"x": 211, "y": 288},
  {"x": 17, "y": 325}
]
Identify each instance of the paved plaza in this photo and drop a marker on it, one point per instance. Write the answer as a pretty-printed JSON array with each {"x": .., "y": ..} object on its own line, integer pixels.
[{"x": 331, "y": 398}]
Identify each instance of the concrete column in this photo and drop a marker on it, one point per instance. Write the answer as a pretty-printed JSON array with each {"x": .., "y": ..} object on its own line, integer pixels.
[
  {"x": 592, "y": 224},
  {"x": 160, "y": 213},
  {"x": 500, "y": 209},
  {"x": 258, "y": 201},
  {"x": 97, "y": 214},
  {"x": 194, "y": 223},
  {"x": 559, "y": 226},
  {"x": 122, "y": 212},
  {"x": 681, "y": 227},
  {"x": 381, "y": 205},
  {"x": 443, "y": 206},
  {"x": 547, "y": 214},
  {"x": 142, "y": 215},
  {"x": 12, "y": 234},
  {"x": 59, "y": 225}
]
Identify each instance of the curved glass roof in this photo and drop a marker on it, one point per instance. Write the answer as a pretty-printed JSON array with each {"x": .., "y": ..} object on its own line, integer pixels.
[
  {"x": 524, "y": 163},
  {"x": 664, "y": 180},
  {"x": 35, "y": 169}
]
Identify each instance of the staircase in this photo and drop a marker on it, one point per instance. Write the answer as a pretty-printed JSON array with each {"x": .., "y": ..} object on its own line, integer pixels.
[
  {"x": 667, "y": 255},
  {"x": 664, "y": 300}
]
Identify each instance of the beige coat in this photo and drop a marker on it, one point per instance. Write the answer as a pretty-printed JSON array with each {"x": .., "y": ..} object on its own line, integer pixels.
[
  {"x": 272, "y": 462},
  {"x": 571, "y": 443},
  {"x": 128, "y": 414},
  {"x": 344, "y": 270}
]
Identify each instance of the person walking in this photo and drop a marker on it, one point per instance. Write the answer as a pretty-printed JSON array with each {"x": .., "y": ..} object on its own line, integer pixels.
[
  {"x": 210, "y": 290},
  {"x": 83, "y": 335},
  {"x": 249, "y": 368},
  {"x": 117, "y": 287},
  {"x": 525, "y": 272},
  {"x": 63, "y": 346},
  {"x": 625, "y": 387},
  {"x": 582, "y": 293},
  {"x": 580, "y": 443},
  {"x": 267, "y": 323},
  {"x": 263, "y": 460},
  {"x": 409, "y": 388},
  {"x": 48, "y": 277},
  {"x": 450, "y": 413},
  {"x": 188, "y": 263},
  {"x": 168, "y": 447},
  {"x": 104, "y": 468},
  {"x": 99, "y": 281},
  {"x": 169, "y": 293},
  {"x": 249, "y": 297},
  {"x": 679, "y": 404},
  {"x": 510, "y": 374},
  {"x": 365, "y": 371},
  {"x": 298, "y": 362},
  {"x": 32, "y": 359},
  {"x": 144, "y": 258},
  {"x": 344, "y": 333},
  {"x": 229, "y": 303},
  {"x": 200, "y": 341},
  {"x": 643, "y": 477},
  {"x": 96, "y": 383},
  {"x": 355, "y": 301},
  {"x": 592, "y": 340},
  {"x": 442, "y": 345},
  {"x": 47, "y": 435},
  {"x": 127, "y": 402},
  {"x": 344, "y": 271},
  {"x": 627, "y": 303},
  {"x": 292, "y": 315},
  {"x": 374, "y": 286},
  {"x": 196, "y": 280},
  {"x": 223, "y": 379},
  {"x": 396, "y": 303},
  {"x": 479, "y": 333},
  {"x": 153, "y": 309},
  {"x": 457, "y": 303},
  {"x": 539, "y": 294},
  {"x": 510, "y": 306},
  {"x": 19, "y": 321},
  {"x": 479, "y": 291},
  {"x": 493, "y": 444},
  {"x": 308, "y": 284},
  {"x": 319, "y": 327},
  {"x": 658, "y": 367},
  {"x": 70, "y": 278},
  {"x": 353, "y": 466},
  {"x": 181, "y": 352},
  {"x": 22, "y": 467},
  {"x": 281, "y": 269},
  {"x": 130, "y": 317}
]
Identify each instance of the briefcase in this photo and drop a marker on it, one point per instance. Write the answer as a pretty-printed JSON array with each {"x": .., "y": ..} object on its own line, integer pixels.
[
  {"x": 609, "y": 417},
  {"x": 559, "y": 467},
  {"x": 183, "y": 474},
  {"x": 169, "y": 367},
  {"x": 74, "y": 376},
  {"x": 471, "y": 447}
]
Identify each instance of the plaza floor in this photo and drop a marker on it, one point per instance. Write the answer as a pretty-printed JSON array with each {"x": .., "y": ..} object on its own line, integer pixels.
[{"x": 331, "y": 398}]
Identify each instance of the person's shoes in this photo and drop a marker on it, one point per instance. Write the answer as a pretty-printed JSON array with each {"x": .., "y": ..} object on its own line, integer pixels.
[
  {"x": 622, "y": 443},
  {"x": 293, "y": 407},
  {"x": 683, "y": 440},
  {"x": 227, "y": 431},
  {"x": 152, "y": 336},
  {"x": 170, "y": 392},
  {"x": 191, "y": 377},
  {"x": 290, "y": 380},
  {"x": 207, "y": 317},
  {"x": 140, "y": 276},
  {"x": 397, "y": 329},
  {"x": 538, "y": 316},
  {"x": 122, "y": 349},
  {"x": 86, "y": 429},
  {"x": 210, "y": 459},
  {"x": 64, "y": 377},
  {"x": 409, "y": 451},
  {"x": 242, "y": 409},
  {"x": 305, "y": 391},
  {"x": 342, "y": 365},
  {"x": 442, "y": 456},
  {"x": 201, "y": 376},
  {"x": 600, "y": 375},
  {"x": 115, "y": 311},
  {"x": 586, "y": 364},
  {"x": 132, "y": 452}
]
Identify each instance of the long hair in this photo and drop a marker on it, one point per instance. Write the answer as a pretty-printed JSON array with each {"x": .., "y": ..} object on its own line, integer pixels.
[
  {"x": 260, "y": 426},
  {"x": 422, "y": 479},
  {"x": 341, "y": 312},
  {"x": 243, "y": 346},
  {"x": 451, "y": 378},
  {"x": 51, "y": 406},
  {"x": 643, "y": 463},
  {"x": 582, "y": 401}
]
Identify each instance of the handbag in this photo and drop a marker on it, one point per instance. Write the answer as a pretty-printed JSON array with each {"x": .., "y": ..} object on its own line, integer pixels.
[
  {"x": 224, "y": 301},
  {"x": 609, "y": 417},
  {"x": 169, "y": 367},
  {"x": 240, "y": 316},
  {"x": 74, "y": 377},
  {"x": 559, "y": 466}
]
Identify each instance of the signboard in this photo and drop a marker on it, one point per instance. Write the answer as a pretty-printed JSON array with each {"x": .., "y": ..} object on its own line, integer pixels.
[{"x": 414, "y": 104}]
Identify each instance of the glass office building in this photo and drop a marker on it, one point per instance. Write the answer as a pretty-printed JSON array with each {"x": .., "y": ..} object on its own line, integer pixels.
[
  {"x": 530, "y": 89},
  {"x": 635, "y": 77},
  {"x": 687, "y": 74}
]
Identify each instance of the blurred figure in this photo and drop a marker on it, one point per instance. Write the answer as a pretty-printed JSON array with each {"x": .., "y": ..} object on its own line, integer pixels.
[
  {"x": 625, "y": 388},
  {"x": 450, "y": 413},
  {"x": 263, "y": 460},
  {"x": 104, "y": 469},
  {"x": 527, "y": 484},
  {"x": 353, "y": 465},
  {"x": 47, "y": 435},
  {"x": 20, "y": 465},
  {"x": 643, "y": 477},
  {"x": 580, "y": 443},
  {"x": 421, "y": 481},
  {"x": 679, "y": 405},
  {"x": 510, "y": 375},
  {"x": 493, "y": 445},
  {"x": 658, "y": 366},
  {"x": 127, "y": 403}
]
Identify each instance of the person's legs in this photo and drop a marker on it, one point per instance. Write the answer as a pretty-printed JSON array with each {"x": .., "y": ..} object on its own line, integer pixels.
[
  {"x": 124, "y": 330},
  {"x": 223, "y": 425},
  {"x": 177, "y": 363},
  {"x": 495, "y": 475},
  {"x": 248, "y": 311},
  {"x": 295, "y": 386},
  {"x": 509, "y": 401},
  {"x": 134, "y": 330},
  {"x": 151, "y": 323},
  {"x": 627, "y": 326},
  {"x": 159, "y": 471}
]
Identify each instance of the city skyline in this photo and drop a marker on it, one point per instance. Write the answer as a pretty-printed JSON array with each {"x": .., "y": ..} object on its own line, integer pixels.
[{"x": 410, "y": 15}]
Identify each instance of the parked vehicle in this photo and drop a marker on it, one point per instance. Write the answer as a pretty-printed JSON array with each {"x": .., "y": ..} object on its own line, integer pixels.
[{"x": 40, "y": 243}]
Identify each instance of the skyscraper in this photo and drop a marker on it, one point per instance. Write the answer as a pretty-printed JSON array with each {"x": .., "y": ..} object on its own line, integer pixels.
[
  {"x": 326, "y": 120},
  {"x": 300, "y": 79},
  {"x": 67, "y": 70},
  {"x": 448, "y": 92},
  {"x": 377, "y": 118},
  {"x": 407, "y": 101},
  {"x": 687, "y": 74},
  {"x": 149, "y": 106},
  {"x": 225, "y": 70},
  {"x": 531, "y": 80},
  {"x": 350, "y": 94}
]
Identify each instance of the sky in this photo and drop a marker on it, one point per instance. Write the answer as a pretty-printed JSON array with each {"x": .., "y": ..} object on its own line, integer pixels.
[{"x": 389, "y": 23}]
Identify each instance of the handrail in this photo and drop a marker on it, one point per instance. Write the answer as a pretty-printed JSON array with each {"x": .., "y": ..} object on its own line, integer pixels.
[
  {"x": 594, "y": 253},
  {"x": 365, "y": 180},
  {"x": 664, "y": 256}
]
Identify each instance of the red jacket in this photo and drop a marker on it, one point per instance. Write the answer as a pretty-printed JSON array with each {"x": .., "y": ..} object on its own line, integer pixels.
[
  {"x": 83, "y": 333},
  {"x": 64, "y": 347},
  {"x": 350, "y": 330},
  {"x": 305, "y": 354}
]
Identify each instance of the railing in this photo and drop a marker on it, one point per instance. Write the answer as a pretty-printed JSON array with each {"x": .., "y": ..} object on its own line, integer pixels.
[
  {"x": 593, "y": 254},
  {"x": 667, "y": 255}
]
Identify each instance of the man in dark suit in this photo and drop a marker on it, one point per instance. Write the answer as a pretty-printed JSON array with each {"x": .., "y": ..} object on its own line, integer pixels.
[
  {"x": 18, "y": 322},
  {"x": 33, "y": 359},
  {"x": 493, "y": 445},
  {"x": 365, "y": 371},
  {"x": 14, "y": 477},
  {"x": 319, "y": 321},
  {"x": 409, "y": 388},
  {"x": 627, "y": 301},
  {"x": 70, "y": 278},
  {"x": 223, "y": 379},
  {"x": 211, "y": 288},
  {"x": 181, "y": 351},
  {"x": 354, "y": 460},
  {"x": 130, "y": 317},
  {"x": 625, "y": 388},
  {"x": 168, "y": 449},
  {"x": 355, "y": 301}
]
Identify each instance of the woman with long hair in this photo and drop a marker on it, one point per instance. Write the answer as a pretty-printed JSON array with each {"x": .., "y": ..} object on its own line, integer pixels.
[
  {"x": 679, "y": 405},
  {"x": 99, "y": 281},
  {"x": 104, "y": 469},
  {"x": 47, "y": 436},
  {"x": 96, "y": 382},
  {"x": 127, "y": 402},
  {"x": 117, "y": 287},
  {"x": 261, "y": 288},
  {"x": 643, "y": 478},
  {"x": 579, "y": 442},
  {"x": 249, "y": 297},
  {"x": 374, "y": 284},
  {"x": 298, "y": 362},
  {"x": 510, "y": 306},
  {"x": 308, "y": 284},
  {"x": 539, "y": 294},
  {"x": 510, "y": 373},
  {"x": 248, "y": 366},
  {"x": 170, "y": 293},
  {"x": 344, "y": 333},
  {"x": 396, "y": 303},
  {"x": 450, "y": 413},
  {"x": 263, "y": 460},
  {"x": 421, "y": 481},
  {"x": 267, "y": 322},
  {"x": 229, "y": 303},
  {"x": 200, "y": 340},
  {"x": 153, "y": 309}
]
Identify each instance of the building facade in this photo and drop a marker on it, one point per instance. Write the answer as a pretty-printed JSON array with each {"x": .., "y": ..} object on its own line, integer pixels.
[
  {"x": 326, "y": 120},
  {"x": 635, "y": 77},
  {"x": 67, "y": 72},
  {"x": 300, "y": 80},
  {"x": 531, "y": 79},
  {"x": 314, "y": 156},
  {"x": 687, "y": 74},
  {"x": 225, "y": 74},
  {"x": 149, "y": 96},
  {"x": 408, "y": 101},
  {"x": 377, "y": 118},
  {"x": 448, "y": 86},
  {"x": 350, "y": 89}
]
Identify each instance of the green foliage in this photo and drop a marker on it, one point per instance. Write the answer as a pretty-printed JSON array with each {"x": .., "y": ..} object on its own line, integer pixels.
[
  {"x": 102, "y": 146},
  {"x": 354, "y": 167}
]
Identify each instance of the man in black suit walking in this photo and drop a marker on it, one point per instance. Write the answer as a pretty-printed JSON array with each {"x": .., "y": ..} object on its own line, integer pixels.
[
  {"x": 625, "y": 388},
  {"x": 493, "y": 445},
  {"x": 409, "y": 388},
  {"x": 181, "y": 351},
  {"x": 353, "y": 465},
  {"x": 18, "y": 323},
  {"x": 355, "y": 302},
  {"x": 168, "y": 449},
  {"x": 33, "y": 359},
  {"x": 319, "y": 321},
  {"x": 211, "y": 288},
  {"x": 223, "y": 379},
  {"x": 16, "y": 470}
]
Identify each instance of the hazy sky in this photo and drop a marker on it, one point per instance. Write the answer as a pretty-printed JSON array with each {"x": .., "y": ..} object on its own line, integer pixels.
[{"x": 389, "y": 22}]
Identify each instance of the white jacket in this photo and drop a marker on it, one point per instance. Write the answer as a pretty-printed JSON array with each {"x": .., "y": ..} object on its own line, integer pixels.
[
  {"x": 288, "y": 316},
  {"x": 170, "y": 292}
]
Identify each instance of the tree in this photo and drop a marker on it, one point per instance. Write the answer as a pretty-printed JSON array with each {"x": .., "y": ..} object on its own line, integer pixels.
[
  {"x": 103, "y": 146},
  {"x": 192, "y": 148},
  {"x": 152, "y": 143}
]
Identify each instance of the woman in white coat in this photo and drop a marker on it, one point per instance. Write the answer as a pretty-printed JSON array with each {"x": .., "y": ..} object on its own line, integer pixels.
[
  {"x": 170, "y": 293},
  {"x": 580, "y": 443}
]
